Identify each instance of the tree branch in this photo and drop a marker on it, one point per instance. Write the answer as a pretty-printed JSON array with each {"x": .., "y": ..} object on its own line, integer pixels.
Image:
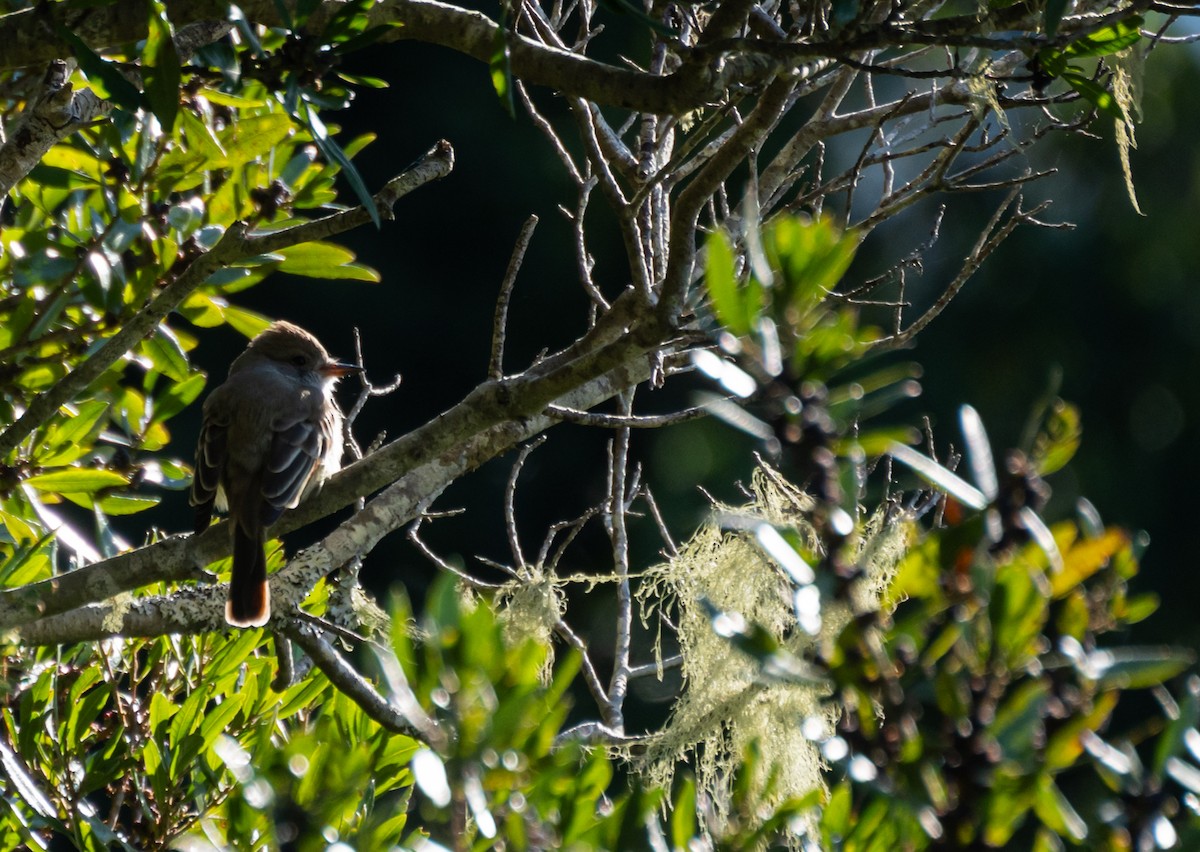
[
  {"x": 695, "y": 195},
  {"x": 54, "y": 114}
]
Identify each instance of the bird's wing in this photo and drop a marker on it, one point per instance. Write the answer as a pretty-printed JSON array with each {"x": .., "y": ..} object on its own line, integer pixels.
[
  {"x": 298, "y": 447},
  {"x": 210, "y": 459}
]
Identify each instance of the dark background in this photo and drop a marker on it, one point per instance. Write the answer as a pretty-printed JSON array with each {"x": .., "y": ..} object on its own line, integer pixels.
[{"x": 1114, "y": 304}]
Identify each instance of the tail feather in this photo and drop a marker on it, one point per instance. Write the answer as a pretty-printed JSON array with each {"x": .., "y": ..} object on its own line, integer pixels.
[{"x": 249, "y": 603}]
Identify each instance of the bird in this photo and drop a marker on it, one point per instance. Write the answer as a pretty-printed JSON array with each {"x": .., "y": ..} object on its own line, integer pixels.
[{"x": 271, "y": 433}]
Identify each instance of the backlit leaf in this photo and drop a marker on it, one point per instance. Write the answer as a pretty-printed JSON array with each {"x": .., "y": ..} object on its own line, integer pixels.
[
  {"x": 324, "y": 260},
  {"x": 721, "y": 280},
  {"x": 77, "y": 480}
]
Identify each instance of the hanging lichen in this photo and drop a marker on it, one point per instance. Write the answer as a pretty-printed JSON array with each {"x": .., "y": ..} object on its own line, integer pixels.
[
  {"x": 1126, "y": 84},
  {"x": 728, "y": 707},
  {"x": 529, "y": 608}
]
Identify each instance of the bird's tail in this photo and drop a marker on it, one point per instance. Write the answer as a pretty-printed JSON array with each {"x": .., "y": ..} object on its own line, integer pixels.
[{"x": 249, "y": 603}]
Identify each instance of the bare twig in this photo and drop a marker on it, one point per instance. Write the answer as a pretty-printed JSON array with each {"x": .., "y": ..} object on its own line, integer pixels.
[
  {"x": 619, "y": 421},
  {"x": 615, "y": 522},
  {"x": 408, "y": 718},
  {"x": 590, "y": 675},
  {"x": 671, "y": 550},
  {"x": 510, "y": 501},
  {"x": 474, "y": 582},
  {"x": 652, "y": 669},
  {"x": 550, "y": 562},
  {"x": 991, "y": 237},
  {"x": 500, "y": 320},
  {"x": 367, "y": 391}
]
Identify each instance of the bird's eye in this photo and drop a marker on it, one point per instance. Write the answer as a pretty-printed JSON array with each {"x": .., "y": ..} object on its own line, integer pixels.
[{"x": 299, "y": 360}]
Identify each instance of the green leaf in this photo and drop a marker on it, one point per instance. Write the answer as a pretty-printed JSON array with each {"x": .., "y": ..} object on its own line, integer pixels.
[
  {"x": 246, "y": 322},
  {"x": 301, "y": 696},
  {"x": 161, "y": 711},
  {"x": 1017, "y": 724},
  {"x": 1092, "y": 91},
  {"x": 1139, "y": 607},
  {"x": 722, "y": 283},
  {"x": 31, "y": 560},
  {"x": 83, "y": 713},
  {"x": 76, "y": 480},
  {"x": 201, "y": 141},
  {"x": 1178, "y": 729},
  {"x": 161, "y": 76},
  {"x": 68, "y": 439},
  {"x": 204, "y": 311},
  {"x": 1059, "y": 439},
  {"x": 254, "y": 137},
  {"x": 1052, "y": 16},
  {"x": 103, "y": 74},
  {"x": 240, "y": 101},
  {"x": 836, "y": 819},
  {"x": 1084, "y": 557},
  {"x": 1053, "y": 809},
  {"x": 232, "y": 654},
  {"x": 1019, "y": 609},
  {"x": 683, "y": 814},
  {"x": 1136, "y": 667},
  {"x": 401, "y": 632},
  {"x": 812, "y": 256},
  {"x": 217, "y": 719},
  {"x": 178, "y": 397},
  {"x": 500, "y": 64},
  {"x": 167, "y": 355},
  {"x": 123, "y": 504},
  {"x": 324, "y": 260},
  {"x": 1109, "y": 40},
  {"x": 350, "y": 20},
  {"x": 71, "y": 159}
]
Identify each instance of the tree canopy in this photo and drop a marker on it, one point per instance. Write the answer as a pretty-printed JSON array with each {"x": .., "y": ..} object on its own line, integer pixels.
[{"x": 869, "y": 649}]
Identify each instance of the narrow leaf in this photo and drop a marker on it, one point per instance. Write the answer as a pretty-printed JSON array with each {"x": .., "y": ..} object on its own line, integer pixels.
[
  {"x": 324, "y": 260},
  {"x": 1053, "y": 15},
  {"x": 721, "y": 280},
  {"x": 100, "y": 71},
  {"x": 938, "y": 476},
  {"x": 160, "y": 68},
  {"x": 1092, "y": 91},
  {"x": 334, "y": 154},
  {"x": 76, "y": 480},
  {"x": 500, "y": 64},
  {"x": 254, "y": 137}
]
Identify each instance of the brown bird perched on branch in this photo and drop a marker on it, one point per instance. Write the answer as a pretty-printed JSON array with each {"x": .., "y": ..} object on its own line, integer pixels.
[{"x": 271, "y": 434}]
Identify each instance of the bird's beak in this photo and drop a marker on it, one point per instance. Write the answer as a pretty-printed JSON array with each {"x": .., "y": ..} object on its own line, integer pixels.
[{"x": 337, "y": 369}]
